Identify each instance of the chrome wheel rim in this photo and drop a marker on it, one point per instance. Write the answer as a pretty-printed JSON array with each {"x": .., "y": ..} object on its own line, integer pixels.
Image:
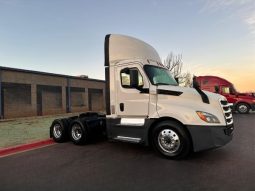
[
  {"x": 169, "y": 141},
  {"x": 57, "y": 131},
  {"x": 76, "y": 132},
  {"x": 243, "y": 108}
]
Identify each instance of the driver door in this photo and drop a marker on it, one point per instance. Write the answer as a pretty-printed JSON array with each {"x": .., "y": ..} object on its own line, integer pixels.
[{"x": 132, "y": 102}]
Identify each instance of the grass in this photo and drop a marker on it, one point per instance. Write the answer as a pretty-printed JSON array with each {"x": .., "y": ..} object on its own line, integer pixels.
[{"x": 25, "y": 130}]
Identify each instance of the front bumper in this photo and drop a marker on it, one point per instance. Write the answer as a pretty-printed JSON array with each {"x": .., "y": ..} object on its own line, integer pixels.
[
  {"x": 232, "y": 107},
  {"x": 208, "y": 137}
]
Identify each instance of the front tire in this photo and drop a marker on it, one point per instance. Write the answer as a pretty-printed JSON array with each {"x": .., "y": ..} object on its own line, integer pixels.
[
  {"x": 171, "y": 140},
  {"x": 243, "y": 108}
]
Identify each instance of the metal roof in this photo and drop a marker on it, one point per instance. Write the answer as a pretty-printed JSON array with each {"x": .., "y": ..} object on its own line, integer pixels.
[{"x": 48, "y": 74}]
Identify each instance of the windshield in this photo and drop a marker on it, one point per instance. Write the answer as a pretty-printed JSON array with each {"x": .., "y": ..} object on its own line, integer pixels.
[
  {"x": 232, "y": 89},
  {"x": 159, "y": 76}
]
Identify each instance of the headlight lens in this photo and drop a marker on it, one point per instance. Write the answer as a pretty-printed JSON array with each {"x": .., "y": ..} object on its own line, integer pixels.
[{"x": 208, "y": 117}]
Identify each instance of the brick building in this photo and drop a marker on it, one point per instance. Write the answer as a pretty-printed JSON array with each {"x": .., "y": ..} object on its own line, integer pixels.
[{"x": 31, "y": 93}]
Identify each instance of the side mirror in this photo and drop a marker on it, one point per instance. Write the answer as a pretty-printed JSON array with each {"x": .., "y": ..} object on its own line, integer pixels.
[
  {"x": 177, "y": 80},
  {"x": 134, "y": 80},
  {"x": 217, "y": 89},
  {"x": 195, "y": 83}
]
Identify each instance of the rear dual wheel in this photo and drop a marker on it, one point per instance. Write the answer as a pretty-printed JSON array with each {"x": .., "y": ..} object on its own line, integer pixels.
[
  {"x": 58, "y": 130},
  {"x": 78, "y": 132}
]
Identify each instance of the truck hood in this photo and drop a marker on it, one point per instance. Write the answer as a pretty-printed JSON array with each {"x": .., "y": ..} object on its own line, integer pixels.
[
  {"x": 182, "y": 103},
  {"x": 251, "y": 95}
]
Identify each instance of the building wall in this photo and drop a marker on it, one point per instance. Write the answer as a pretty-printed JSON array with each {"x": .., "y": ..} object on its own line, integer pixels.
[
  {"x": 51, "y": 101},
  {"x": 29, "y": 93},
  {"x": 17, "y": 100},
  {"x": 79, "y": 101},
  {"x": 96, "y": 100}
]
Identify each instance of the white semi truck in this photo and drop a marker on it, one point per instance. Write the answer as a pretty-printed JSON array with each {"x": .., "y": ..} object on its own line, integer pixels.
[{"x": 145, "y": 105}]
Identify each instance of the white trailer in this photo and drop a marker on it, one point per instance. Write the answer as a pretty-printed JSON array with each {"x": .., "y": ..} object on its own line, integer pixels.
[{"x": 145, "y": 105}]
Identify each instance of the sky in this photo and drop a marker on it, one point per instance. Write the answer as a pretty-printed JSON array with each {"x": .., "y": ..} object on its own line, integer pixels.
[{"x": 214, "y": 37}]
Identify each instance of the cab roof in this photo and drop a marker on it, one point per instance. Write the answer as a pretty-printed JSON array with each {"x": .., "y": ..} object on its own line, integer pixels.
[
  {"x": 219, "y": 80},
  {"x": 121, "y": 47}
]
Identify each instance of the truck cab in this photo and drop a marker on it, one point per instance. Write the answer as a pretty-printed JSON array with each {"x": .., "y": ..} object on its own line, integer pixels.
[
  {"x": 242, "y": 102},
  {"x": 145, "y": 105}
]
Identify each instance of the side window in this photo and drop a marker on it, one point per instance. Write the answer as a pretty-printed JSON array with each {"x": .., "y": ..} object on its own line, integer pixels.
[
  {"x": 125, "y": 78},
  {"x": 225, "y": 90},
  {"x": 232, "y": 90}
]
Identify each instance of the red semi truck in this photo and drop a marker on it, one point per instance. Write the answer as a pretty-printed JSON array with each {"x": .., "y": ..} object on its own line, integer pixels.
[{"x": 242, "y": 102}]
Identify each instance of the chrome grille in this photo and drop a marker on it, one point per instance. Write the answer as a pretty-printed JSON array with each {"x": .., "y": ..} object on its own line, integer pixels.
[{"x": 226, "y": 108}]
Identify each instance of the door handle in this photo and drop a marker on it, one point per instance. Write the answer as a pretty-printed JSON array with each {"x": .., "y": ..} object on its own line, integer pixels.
[{"x": 121, "y": 106}]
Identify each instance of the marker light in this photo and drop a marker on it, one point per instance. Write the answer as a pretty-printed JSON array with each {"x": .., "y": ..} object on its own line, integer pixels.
[{"x": 207, "y": 117}]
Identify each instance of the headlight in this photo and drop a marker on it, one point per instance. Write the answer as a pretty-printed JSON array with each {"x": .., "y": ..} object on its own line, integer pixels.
[{"x": 207, "y": 117}]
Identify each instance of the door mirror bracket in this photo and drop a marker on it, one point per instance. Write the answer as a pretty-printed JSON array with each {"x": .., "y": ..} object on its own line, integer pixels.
[{"x": 134, "y": 79}]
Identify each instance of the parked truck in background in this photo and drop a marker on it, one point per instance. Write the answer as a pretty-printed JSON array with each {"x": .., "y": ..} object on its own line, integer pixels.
[
  {"x": 242, "y": 102},
  {"x": 145, "y": 105}
]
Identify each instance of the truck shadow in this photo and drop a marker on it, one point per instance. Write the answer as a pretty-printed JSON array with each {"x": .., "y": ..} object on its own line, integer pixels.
[{"x": 134, "y": 149}]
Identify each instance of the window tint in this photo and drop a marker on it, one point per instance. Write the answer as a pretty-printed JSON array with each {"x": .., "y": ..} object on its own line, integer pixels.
[
  {"x": 159, "y": 75},
  {"x": 125, "y": 77},
  {"x": 232, "y": 90},
  {"x": 225, "y": 90}
]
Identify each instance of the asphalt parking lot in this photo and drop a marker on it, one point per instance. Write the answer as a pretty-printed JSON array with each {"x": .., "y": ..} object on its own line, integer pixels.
[{"x": 120, "y": 166}]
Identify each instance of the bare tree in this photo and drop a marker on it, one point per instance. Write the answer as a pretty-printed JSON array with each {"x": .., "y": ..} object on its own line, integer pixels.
[
  {"x": 174, "y": 64},
  {"x": 187, "y": 80}
]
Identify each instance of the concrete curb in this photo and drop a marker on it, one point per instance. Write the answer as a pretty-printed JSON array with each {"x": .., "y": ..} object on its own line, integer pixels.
[{"x": 25, "y": 147}]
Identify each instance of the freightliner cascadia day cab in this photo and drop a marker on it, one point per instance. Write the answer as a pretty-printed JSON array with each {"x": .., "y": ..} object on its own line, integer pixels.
[
  {"x": 242, "y": 102},
  {"x": 145, "y": 105}
]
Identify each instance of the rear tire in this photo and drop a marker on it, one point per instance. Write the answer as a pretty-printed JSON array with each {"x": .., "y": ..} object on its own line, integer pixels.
[
  {"x": 171, "y": 140},
  {"x": 243, "y": 108},
  {"x": 58, "y": 130},
  {"x": 78, "y": 132}
]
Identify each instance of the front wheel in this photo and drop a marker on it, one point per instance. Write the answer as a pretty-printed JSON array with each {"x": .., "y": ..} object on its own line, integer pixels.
[
  {"x": 243, "y": 108},
  {"x": 171, "y": 140}
]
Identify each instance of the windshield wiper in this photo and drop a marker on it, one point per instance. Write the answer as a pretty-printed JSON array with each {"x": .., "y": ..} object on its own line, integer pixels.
[{"x": 162, "y": 84}]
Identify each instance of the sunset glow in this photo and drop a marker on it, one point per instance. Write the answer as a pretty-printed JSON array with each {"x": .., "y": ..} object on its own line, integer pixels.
[{"x": 215, "y": 37}]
